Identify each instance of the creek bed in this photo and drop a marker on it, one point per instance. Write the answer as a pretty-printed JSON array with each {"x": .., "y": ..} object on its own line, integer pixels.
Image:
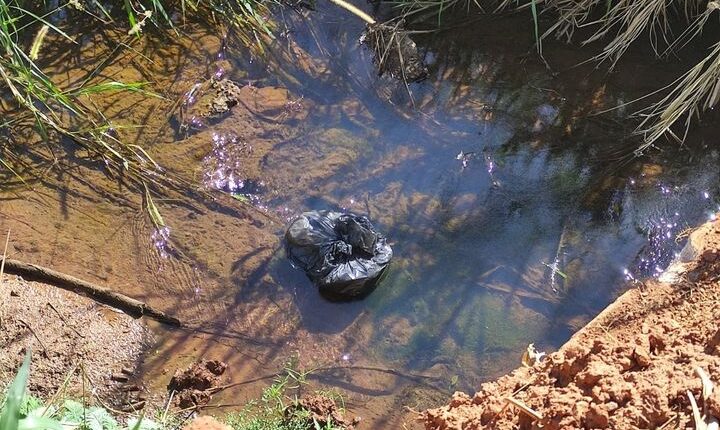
[{"x": 515, "y": 218}]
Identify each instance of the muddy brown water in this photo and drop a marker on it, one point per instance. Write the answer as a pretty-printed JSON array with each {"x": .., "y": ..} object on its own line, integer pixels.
[{"x": 515, "y": 216}]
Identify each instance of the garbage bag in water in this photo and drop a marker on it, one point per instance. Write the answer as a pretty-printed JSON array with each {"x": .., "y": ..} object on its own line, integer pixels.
[{"x": 342, "y": 254}]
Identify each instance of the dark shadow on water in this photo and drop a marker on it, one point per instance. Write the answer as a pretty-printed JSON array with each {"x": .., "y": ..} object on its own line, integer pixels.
[{"x": 318, "y": 315}]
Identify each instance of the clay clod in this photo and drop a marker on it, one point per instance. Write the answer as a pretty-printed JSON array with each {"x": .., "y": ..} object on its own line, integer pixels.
[
  {"x": 194, "y": 386},
  {"x": 319, "y": 411}
]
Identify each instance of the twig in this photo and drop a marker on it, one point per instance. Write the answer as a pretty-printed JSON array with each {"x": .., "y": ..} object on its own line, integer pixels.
[
  {"x": 187, "y": 417},
  {"x": 524, "y": 408},
  {"x": 668, "y": 422},
  {"x": 379, "y": 369},
  {"x": 2, "y": 265},
  {"x": 220, "y": 406},
  {"x": 411, "y": 376},
  {"x": 130, "y": 306},
  {"x": 409, "y": 409},
  {"x": 62, "y": 318},
  {"x": 167, "y": 407},
  {"x": 696, "y": 412},
  {"x": 35, "y": 335},
  {"x": 355, "y": 11},
  {"x": 521, "y": 389}
]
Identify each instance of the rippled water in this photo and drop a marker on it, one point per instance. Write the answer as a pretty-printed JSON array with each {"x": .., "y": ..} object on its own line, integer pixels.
[{"x": 514, "y": 216}]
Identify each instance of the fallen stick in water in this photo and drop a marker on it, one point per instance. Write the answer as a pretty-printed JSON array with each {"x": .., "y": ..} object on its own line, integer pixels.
[
  {"x": 130, "y": 306},
  {"x": 355, "y": 11}
]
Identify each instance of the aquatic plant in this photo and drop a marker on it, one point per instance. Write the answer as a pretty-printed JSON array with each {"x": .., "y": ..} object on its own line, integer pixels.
[
  {"x": 37, "y": 103},
  {"x": 669, "y": 26}
]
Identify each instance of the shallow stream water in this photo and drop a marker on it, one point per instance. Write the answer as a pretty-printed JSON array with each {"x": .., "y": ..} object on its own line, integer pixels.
[{"x": 515, "y": 216}]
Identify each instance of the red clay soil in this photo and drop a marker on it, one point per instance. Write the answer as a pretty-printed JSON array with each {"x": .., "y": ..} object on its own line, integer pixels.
[{"x": 630, "y": 368}]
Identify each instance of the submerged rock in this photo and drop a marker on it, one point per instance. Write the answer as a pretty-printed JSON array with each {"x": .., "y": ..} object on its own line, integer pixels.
[
  {"x": 207, "y": 101},
  {"x": 296, "y": 166},
  {"x": 210, "y": 101}
]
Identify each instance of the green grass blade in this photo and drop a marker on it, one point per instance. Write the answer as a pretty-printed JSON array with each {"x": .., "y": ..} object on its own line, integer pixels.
[
  {"x": 10, "y": 418},
  {"x": 131, "y": 15},
  {"x": 153, "y": 210},
  {"x": 45, "y": 22},
  {"x": 533, "y": 9},
  {"x": 39, "y": 423},
  {"x": 157, "y": 5},
  {"x": 115, "y": 86}
]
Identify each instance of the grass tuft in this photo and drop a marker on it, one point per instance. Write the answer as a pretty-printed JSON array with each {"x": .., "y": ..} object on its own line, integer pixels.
[
  {"x": 32, "y": 101},
  {"x": 668, "y": 25}
]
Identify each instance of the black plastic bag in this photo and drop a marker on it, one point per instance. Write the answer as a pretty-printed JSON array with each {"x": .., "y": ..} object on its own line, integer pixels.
[{"x": 342, "y": 254}]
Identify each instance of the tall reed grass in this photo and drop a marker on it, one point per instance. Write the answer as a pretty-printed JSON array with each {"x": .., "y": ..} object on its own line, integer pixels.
[{"x": 667, "y": 25}]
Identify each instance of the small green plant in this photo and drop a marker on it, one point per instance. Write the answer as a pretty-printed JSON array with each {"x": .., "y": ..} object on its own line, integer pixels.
[
  {"x": 15, "y": 414},
  {"x": 270, "y": 412},
  {"x": 22, "y": 412}
]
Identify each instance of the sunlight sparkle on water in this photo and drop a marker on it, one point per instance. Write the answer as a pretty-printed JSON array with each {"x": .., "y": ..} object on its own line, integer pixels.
[
  {"x": 351, "y": 203},
  {"x": 190, "y": 95},
  {"x": 628, "y": 275},
  {"x": 490, "y": 167},
  {"x": 223, "y": 166},
  {"x": 161, "y": 241}
]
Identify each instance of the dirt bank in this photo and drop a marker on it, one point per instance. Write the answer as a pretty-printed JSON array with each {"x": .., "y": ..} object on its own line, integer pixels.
[
  {"x": 630, "y": 368},
  {"x": 68, "y": 335}
]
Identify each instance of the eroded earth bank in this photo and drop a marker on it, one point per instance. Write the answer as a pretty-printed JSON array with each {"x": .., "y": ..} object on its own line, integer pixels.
[{"x": 634, "y": 366}]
